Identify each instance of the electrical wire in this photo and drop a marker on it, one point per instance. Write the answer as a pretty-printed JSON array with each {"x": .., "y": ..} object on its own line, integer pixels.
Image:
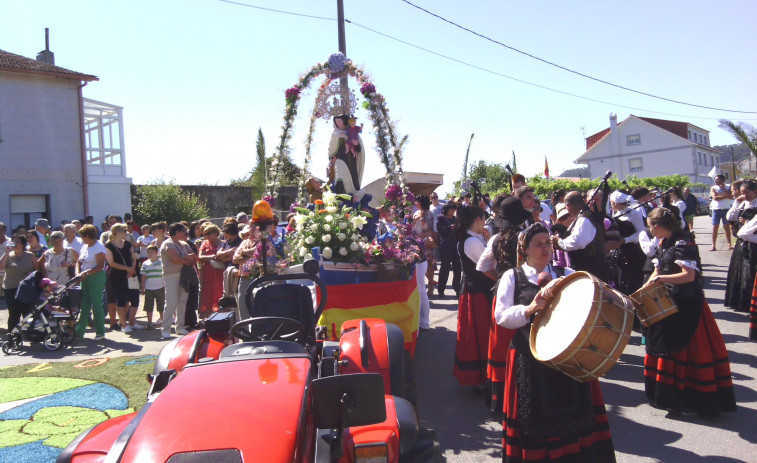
[
  {"x": 499, "y": 74},
  {"x": 464, "y": 63},
  {"x": 596, "y": 79},
  {"x": 278, "y": 11}
]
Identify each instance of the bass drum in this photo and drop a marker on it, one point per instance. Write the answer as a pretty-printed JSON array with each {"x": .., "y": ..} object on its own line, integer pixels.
[{"x": 583, "y": 330}]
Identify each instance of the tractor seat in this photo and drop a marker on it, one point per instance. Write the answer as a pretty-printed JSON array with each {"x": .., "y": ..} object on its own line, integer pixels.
[
  {"x": 285, "y": 300},
  {"x": 263, "y": 349}
]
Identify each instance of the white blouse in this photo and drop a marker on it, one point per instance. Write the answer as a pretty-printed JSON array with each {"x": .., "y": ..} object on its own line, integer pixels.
[{"x": 506, "y": 312}]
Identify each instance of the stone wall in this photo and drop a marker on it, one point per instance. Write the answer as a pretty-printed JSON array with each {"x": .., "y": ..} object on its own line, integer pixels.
[{"x": 227, "y": 201}]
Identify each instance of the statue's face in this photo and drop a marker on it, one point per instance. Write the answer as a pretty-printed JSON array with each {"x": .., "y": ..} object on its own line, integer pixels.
[{"x": 339, "y": 123}]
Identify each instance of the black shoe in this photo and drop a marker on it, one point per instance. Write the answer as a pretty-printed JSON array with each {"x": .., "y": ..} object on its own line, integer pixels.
[
  {"x": 115, "y": 327},
  {"x": 441, "y": 294}
]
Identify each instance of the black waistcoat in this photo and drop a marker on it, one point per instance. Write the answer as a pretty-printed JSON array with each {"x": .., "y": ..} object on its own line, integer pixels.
[
  {"x": 473, "y": 280},
  {"x": 592, "y": 258}
]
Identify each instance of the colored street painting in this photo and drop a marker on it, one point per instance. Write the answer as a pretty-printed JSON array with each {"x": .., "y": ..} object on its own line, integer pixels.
[{"x": 43, "y": 407}]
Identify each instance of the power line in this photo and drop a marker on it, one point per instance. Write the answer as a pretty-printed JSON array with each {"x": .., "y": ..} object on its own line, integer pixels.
[
  {"x": 277, "y": 11},
  {"x": 521, "y": 80},
  {"x": 464, "y": 63},
  {"x": 509, "y": 47}
]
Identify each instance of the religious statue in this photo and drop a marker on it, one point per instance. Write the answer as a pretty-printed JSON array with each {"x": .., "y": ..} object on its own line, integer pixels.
[{"x": 346, "y": 163}]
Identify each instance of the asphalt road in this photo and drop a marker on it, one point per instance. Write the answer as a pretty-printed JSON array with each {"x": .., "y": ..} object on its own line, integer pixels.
[{"x": 467, "y": 432}]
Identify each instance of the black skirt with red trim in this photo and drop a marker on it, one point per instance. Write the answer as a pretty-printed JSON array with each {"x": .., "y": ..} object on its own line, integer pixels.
[
  {"x": 695, "y": 379},
  {"x": 590, "y": 444},
  {"x": 753, "y": 313},
  {"x": 471, "y": 349},
  {"x": 499, "y": 343}
]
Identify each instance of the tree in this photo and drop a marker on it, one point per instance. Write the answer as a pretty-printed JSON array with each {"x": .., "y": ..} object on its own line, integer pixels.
[
  {"x": 743, "y": 132},
  {"x": 256, "y": 178},
  {"x": 490, "y": 178},
  {"x": 162, "y": 201}
]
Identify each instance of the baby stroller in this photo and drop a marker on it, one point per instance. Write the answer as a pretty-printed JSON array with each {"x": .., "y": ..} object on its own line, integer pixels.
[{"x": 51, "y": 320}]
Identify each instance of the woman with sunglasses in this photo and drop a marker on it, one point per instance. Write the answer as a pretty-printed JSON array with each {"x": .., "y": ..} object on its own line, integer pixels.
[
  {"x": 548, "y": 415},
  {"x": 211, "y": 276}
]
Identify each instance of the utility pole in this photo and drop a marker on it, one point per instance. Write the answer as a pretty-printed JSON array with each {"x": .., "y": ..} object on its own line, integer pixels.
[{"x": 343, "y": 83}]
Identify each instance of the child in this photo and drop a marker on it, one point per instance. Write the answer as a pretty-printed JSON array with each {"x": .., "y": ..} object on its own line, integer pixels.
[
  {"x": 143, "y": 241},
  {"x": 152, "y": 284},
  {"x": 353, "y": 136}
]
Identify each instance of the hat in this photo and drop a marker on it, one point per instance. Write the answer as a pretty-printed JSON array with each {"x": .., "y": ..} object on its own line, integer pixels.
[
  {"x": 242, "y": 217},
  {"x": 619, "y": 197},
  {"x": 46, "y": 281},
  {"x": 513, "y": 213},
  {"x": 561, "y": 211},
  {"x": 42, "y": 223},
  {"x": 244, "y": 229}
]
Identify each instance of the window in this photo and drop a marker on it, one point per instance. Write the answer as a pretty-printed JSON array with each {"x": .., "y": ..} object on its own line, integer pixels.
[
  {"x": 26, "y": 209},
  {"x": 705, "y": 140},
  {"x": 632, "y": 140},
  {"x": 700, "y": 158},
  {"x": 635, "y": 165},
  {"x": 712, "y": 160},
  {"x": 689, "y": 134},
  {"x": 700, "y": 139}
]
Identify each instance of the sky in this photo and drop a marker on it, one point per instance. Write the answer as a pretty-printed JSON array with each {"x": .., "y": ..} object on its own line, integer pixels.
[{"x": 197, "y": 78}]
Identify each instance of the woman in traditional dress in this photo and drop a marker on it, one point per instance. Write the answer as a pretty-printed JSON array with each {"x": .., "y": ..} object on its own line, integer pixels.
[
  {"x": 474, "y": 307},
  {"x": 211, "y": 276},
  {"x": 748, "y": 232},
  {"x": 686, "y": 368},
  {"x": 345, "y": 168},
  {"x": 549, "y": 417},
  {"x": 741, "y": 271}
]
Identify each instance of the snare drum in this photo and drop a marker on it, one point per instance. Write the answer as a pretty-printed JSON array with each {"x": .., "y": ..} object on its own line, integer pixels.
[
  {"x": 653, "y": 303},
  {"x": 583, "y": 330}
]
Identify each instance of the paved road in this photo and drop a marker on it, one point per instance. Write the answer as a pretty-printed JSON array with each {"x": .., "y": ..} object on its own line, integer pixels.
[{"x": 467, "y": 432}]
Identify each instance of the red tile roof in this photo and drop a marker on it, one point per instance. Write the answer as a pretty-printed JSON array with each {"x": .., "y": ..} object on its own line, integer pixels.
[
  {"x": 678, "y": 128},
  {"x": 16, "y": 63}
]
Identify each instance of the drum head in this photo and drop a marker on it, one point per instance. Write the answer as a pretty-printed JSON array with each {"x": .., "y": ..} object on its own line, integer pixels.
[{"x": 561, "y": 321}]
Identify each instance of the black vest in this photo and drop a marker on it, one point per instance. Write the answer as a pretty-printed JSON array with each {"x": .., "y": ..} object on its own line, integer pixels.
[
  {"x": 592, "y": 258},
  {"x": 525, "y": 292},
  {"x": 473, "y": 280}
]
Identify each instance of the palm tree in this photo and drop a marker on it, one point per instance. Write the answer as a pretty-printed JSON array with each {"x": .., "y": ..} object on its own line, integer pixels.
[{"x": 743, "y": 132}]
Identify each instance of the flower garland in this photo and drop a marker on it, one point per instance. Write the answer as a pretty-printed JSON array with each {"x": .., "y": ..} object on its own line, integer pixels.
[{"x": 390, "y": 151}]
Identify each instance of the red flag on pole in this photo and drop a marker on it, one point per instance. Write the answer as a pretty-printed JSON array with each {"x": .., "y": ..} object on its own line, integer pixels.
[{"x": 546, "y": 167}]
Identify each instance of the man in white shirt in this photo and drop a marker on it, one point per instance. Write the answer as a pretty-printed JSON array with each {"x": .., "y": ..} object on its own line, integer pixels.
[
  {"x": 4, "y": 242},
  {"x": 585, "y": 244},
  {"x": 71, "y": 240},
  {"x": 42, "y": 227},
  {"x": 722, "y": 198}
]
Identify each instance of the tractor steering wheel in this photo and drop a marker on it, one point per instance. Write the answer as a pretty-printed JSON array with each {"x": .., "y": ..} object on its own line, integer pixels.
[{"x": 268, "y": 329}]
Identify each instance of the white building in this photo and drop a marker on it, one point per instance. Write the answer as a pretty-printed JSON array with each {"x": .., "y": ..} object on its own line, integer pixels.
[
  {"x": 648, "y": 147},
  {"x": 62, "y": 155}
]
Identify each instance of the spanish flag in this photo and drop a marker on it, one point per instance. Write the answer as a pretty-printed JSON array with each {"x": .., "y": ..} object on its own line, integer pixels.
[
  {"x": 396, "y": 302},
  {"x": 546, "y": 167}
]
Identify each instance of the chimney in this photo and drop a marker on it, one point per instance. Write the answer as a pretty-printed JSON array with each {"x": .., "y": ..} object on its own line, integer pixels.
[
  {"x": 46, "y": 56},
  {"x": 613, "y": 122}
]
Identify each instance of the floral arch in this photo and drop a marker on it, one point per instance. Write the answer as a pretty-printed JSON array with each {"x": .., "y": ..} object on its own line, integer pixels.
[{"x": 387, "y": 145}]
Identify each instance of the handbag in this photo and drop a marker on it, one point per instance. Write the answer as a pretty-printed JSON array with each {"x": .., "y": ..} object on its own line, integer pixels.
[
  {"x": 188, "y": 277},
  {"x": 218, "y": 264}
]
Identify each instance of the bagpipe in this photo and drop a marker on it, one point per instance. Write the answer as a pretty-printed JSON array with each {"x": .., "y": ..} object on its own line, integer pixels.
[
  {"x": 472, "y": 185},
  {"x": 637, "y": 206}
]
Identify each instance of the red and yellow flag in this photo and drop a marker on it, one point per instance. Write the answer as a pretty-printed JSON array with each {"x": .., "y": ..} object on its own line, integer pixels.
[
  {"x": 546, "y": 167},
  {"x": 396, "y": 302}
]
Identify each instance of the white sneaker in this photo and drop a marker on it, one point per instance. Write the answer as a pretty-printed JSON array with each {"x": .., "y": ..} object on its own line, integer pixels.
[
  {"x": 98, "y": 338},
  {"x": 127, "y": 329},
  {"x": 182, "y": 331},
  {"x": 137, "y": 327},
  {"x": 165, "y": 334}
]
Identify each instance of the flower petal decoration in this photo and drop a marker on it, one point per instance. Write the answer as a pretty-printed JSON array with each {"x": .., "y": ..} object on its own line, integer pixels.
[{"x": 327, "y": 253}]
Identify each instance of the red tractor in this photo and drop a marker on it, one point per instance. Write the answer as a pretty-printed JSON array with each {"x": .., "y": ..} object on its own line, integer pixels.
[{"x": 279, "y": 394}]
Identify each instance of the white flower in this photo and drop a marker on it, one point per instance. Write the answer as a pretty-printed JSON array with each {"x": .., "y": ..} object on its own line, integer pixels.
[
  {"x": 329, "y": 218},
  {"x": 326, "y": 252},
  {"x": 300, "y": 218},
  {"x": 343, "y": 225},
  {"x": 354, "y": 237},
  {"x": 358, "y": 221},
  {"x": 326, "y": 238},
  {"x": 299, "y": 227},
  {"x": 303, "y": 251},
  {"x": 328, "y": 197},
  {"x": 341, "y": 236},
  {"x": 332, "y": 209},
  {"x": 309, "y": 240},
  {"x": 343, "y": 251},
  {"x": 314, "y": 227},
  {"x": 326, "y": 227},
  {"x": 354, "y": 246}
]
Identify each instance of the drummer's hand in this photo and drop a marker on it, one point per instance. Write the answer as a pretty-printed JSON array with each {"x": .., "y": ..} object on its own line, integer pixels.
[
  {"x": 537, "y": 305},
  {"x": 548, "y": 292}
]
